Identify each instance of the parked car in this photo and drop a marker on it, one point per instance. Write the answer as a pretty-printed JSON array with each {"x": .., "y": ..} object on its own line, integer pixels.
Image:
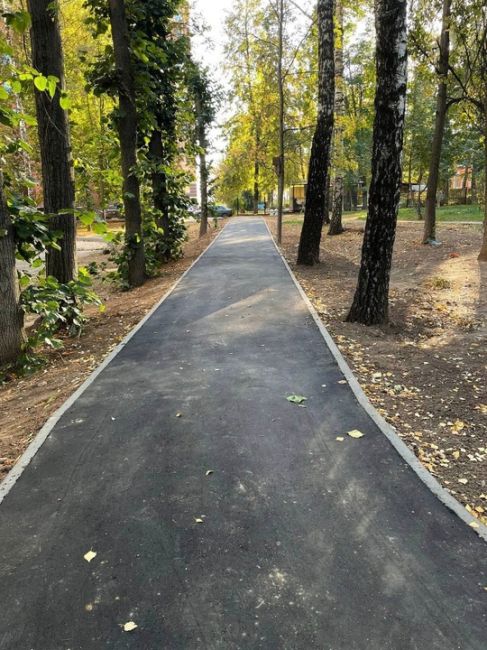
[
  {"x": 221, "y": 211},
  {"x": 194, "y": 211}
]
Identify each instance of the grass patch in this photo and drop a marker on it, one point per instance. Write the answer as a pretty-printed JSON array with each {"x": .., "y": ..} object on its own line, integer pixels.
[{"x": 446, "y": 213}]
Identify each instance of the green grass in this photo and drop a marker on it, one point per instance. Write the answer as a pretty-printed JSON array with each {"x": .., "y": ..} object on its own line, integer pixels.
[{"x": 446, "y": 213}]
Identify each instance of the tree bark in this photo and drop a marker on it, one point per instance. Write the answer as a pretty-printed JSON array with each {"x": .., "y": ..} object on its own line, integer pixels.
[
  {"x": 11, "y": 315},
  {"x": 409, "y": 200},
  {"x": 429, "y": 235},
  {"x": 483, "y": 251},
  {"x": 54, "y": 139},
  {"x": 309, "y": 244},
  {"x": 159, "y": 187},
  {"x": 336, "y": 226},
  {"x": 326, "y": 209},
  {"x": 256, "y": 186},
  {"x": 370, "y": 304},
  {"x": 281, "y": 170},
  {"x": 203, "y": 145},
  {"x": 127, "y": 131}
]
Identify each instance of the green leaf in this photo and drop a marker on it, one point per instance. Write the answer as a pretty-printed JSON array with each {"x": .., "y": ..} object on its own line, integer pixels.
[
  {"x": 40, "y": 82},
  {"x": 3, "y": 93},
  {"x": 5, "y": 48},
  {"x": 99, "y": 228},
  {"x": 65, "y": 102},
  {"x": 296, "y": 399},
  {"x": 87, "y": 218},
  {"x": 52, "y": 85},
  {"x": 16, "y": 86},
  {"x": 19, "y": 21}
]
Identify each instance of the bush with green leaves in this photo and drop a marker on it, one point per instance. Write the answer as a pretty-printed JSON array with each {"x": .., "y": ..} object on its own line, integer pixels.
[{"x": 59, "y": 307}]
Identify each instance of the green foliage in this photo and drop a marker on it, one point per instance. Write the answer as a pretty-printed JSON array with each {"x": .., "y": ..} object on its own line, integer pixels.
[
  {"x": 31, "y": 232},
  {"x": 162, "y": 246},
  {"x": 60, "y": 307}
]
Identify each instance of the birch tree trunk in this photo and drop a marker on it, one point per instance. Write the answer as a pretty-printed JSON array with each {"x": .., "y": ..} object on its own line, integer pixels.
[
  {"x": 281, "y": 169},
  {"x": 309, "y": 244},
  {"x": 370, "y": 304},
  {"x": 54, "y": 138},
  {"x": 429, "y": 235},
  {"x": 127, "y": 131},
  {"x": 11, "y": 315},
  {"x": 336, "y": 227}
]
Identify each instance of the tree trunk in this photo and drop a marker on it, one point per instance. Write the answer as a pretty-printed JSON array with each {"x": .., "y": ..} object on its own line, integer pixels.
[
  {"x": 281, "y": 164},
  {"x": 159, "y": 188},
  {"x": 409, "y": 200},
  {"x": 483, "y": 251},
  {"x": 465, "y": 185},
  {"x": 418, "y": 203},
  {"x": 203, "y": 145},
  {"x": 440, "y": 118},
  {"x": 370, "y": 304},
  {"x": 256, "y": 187},
  {"x": 309, "y": 244},
  {"x": 326, "y": 208},
  {"x": 54, "y": 139},
  {"x": 127, "y": 131},
  {"x": 336, "y": 227},
  {"x": 11, "y": 315}
]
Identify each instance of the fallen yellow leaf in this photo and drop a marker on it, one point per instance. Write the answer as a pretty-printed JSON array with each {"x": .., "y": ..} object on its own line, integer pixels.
[
  {"x": 90, "y": 555},
  {"x": 198, "y": 520},
  {"x": 474, "y": 524},
  {"x": 130, "y": 626},
  {"x": 355, "y": 433},
  {"x": 457, "y": 426},
  {"x": 340, "y": 438}
]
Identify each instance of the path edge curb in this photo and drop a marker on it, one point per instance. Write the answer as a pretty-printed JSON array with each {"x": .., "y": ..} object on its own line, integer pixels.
[
  {"x": 399, "y": 445},
  {"x": 41, "y": 436}
]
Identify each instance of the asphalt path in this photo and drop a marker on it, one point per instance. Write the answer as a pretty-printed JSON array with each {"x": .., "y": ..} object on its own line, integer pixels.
[{"x": 222, "y": 515}]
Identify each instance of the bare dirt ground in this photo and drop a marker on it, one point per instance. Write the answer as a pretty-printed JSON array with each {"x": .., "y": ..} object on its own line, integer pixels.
[
  {"x": 27, "y": 402},
  {"x": 425, "y": 372}
]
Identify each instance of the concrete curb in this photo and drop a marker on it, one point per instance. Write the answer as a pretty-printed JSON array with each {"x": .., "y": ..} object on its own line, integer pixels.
[
  {"x": 42, "y": 435},
  {"x": 402, "y": 449}
]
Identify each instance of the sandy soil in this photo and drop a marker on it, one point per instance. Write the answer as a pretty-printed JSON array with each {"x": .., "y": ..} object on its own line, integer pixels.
[
  {"x": 27, "y": 402},
  {"x": 426, "y": 371}
]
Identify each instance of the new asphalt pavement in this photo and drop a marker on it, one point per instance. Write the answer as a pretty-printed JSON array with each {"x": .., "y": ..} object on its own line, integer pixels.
[{"x": 216, "y": 514}]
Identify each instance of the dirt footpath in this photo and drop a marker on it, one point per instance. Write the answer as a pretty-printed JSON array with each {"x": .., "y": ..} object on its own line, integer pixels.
[{"x": 426, "y": 371}]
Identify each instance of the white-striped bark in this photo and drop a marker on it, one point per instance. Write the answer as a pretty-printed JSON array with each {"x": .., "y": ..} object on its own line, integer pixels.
[
  {"x": 336, "y": 226},
  {"x": 309, "y": 244},
  {"x": 370, "y": 304}
]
